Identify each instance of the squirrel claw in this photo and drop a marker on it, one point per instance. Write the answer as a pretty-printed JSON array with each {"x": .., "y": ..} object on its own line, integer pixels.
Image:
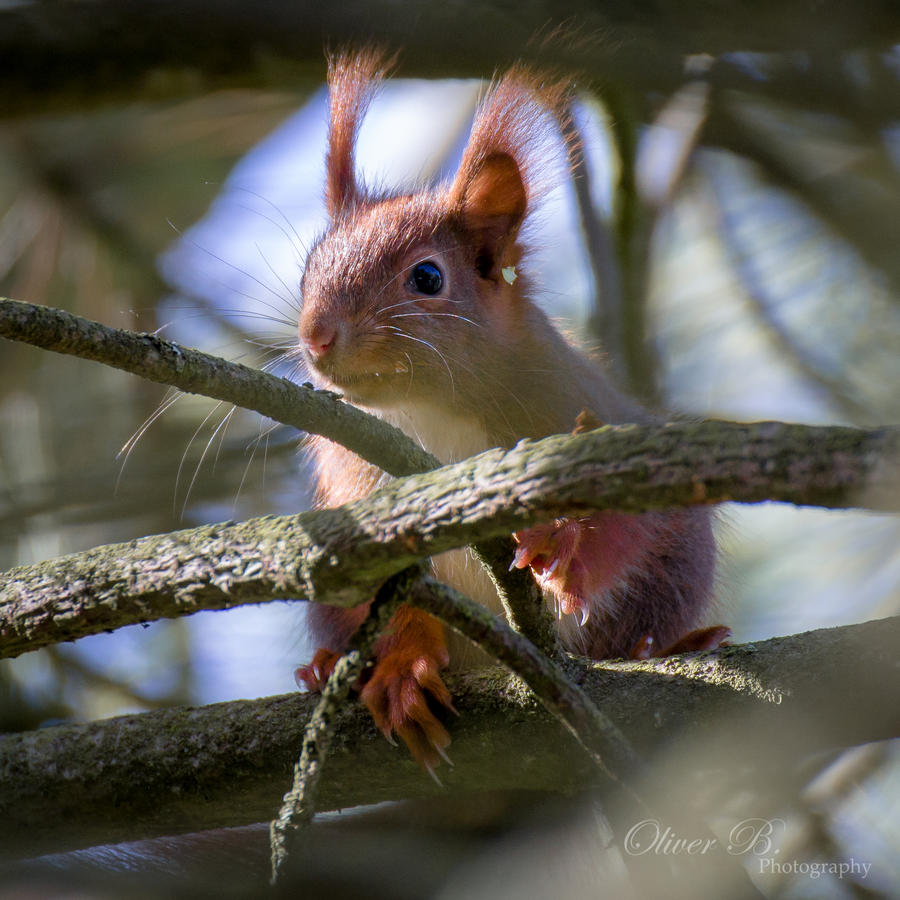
[
  {"x": 523, "y": 555},
  {"x": 430, "y": 770},
  {"x": 397, "y": 695},
  {"x": 643, "y": 649},
  {"x": 699, "y": 639},
  {"x": 444, "y": 755},
  {"x": 315, "y": 674}
]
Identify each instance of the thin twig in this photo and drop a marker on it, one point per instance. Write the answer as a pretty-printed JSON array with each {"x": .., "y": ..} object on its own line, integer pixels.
[
  {"x": 195, "y": 372},
  {"x": 299, "y": 803},
  {"x": 604, "y": 743},
  {"x": 519, "y": 594},
  {"x": 605, "y": 318},
  {"x": 756, "y": 291},
  {"x": 318, "y": 412}
]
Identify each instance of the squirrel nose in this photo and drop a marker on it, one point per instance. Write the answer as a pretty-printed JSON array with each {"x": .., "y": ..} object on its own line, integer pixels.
[{"x": 320, "y": 341}]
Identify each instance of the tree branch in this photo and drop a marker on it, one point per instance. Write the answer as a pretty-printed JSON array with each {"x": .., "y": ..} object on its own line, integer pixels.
[
  {"x": 605, "y": 319},
  {"x": 194, "y": 372},
  {"x": 299, "y": 804},
  {"x": 340, "y": 555},
  {"x": 562, "y": 698},
  {"x": 857, "y": 204},
  {"x": 56, "y": 55},
  {"x": 317, "y": 412},
  {"x": 755, "y": 288},
  {"x": 179, "y": 770}
]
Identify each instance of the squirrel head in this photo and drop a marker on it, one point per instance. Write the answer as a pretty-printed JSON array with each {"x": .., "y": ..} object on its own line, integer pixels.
[{"x": 409, "y": 296}]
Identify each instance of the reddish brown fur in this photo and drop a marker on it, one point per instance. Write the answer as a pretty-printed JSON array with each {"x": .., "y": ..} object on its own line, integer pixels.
[
  {"x": 476, "y": 364},
  {"x": 527, "y": 119},
  {"x": 353, "y": 79}
]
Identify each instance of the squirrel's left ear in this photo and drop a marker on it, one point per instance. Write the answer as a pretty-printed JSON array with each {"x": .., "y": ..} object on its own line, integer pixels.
[
  {"x": 491, "y": 199},
  {"x": 516, "y": 154}
]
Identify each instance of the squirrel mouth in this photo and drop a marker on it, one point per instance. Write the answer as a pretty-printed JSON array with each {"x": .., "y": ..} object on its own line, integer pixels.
[
  {"x": 366, "y": 383},
  {"x": 360, "y": 381}
]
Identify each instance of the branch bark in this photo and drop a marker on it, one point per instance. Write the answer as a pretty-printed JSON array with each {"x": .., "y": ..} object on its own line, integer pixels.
[
  {"x": 299, "y": 804},
  {"x": 317, "y": 412},
  {"x": 340, "y": 555},
  {"x": 164, "y": 772},
  {"x": 194, "y": 372}
]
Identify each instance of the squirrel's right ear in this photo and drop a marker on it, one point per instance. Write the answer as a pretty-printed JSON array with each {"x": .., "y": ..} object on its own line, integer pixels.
[{"x": 352, "y": 80}]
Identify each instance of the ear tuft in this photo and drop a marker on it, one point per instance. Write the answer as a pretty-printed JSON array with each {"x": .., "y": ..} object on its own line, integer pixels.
[{"x": 352, "y": 81}]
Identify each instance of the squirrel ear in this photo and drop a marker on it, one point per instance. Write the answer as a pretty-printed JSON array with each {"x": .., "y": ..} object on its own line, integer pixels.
[
  {"x": 492, "y": 201},
  {"x": 352, "y": 80}
]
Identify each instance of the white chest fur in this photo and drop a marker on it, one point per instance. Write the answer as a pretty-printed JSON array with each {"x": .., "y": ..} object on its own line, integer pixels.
[
  {"x": 452, "y": 438},
  {"x": 448, "y": 436}
]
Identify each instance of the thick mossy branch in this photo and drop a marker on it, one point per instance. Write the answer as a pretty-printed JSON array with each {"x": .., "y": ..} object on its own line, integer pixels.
[
  {"x": 180, "y": 770},
  {"x": 339, "y": 556}
]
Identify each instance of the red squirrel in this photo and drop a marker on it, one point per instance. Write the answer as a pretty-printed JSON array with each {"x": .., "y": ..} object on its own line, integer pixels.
[{"x": 417, "y": 306}]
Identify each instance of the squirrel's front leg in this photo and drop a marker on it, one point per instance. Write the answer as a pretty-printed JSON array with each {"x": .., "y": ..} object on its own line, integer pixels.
[
  {"x": 578, "y": 561},
  {"x": 404, "y": 682},
  {"x": 638, "y": 584},
  {"x": 409, "y": 658}
]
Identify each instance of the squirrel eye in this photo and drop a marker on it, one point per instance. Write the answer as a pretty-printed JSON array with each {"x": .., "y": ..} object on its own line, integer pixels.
[{"x": 426, "y": 278}]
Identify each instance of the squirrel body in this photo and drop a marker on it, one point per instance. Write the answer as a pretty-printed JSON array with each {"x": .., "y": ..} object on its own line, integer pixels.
[{"x": 418, "y": 307}]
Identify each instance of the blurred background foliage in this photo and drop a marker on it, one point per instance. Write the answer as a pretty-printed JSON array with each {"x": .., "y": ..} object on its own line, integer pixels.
[{"x": 730, "y": 244}]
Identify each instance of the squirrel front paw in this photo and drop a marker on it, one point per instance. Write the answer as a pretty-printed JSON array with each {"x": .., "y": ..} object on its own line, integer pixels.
[
  {"x": 409, "y": 659},
  {"x": 397, "y": 695},
  {"x": 315, "y": 674},
  {"x": 551, "y": 552},
  {"x": 403, "y": 687},
  {"x": 578, "y": 560}
]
